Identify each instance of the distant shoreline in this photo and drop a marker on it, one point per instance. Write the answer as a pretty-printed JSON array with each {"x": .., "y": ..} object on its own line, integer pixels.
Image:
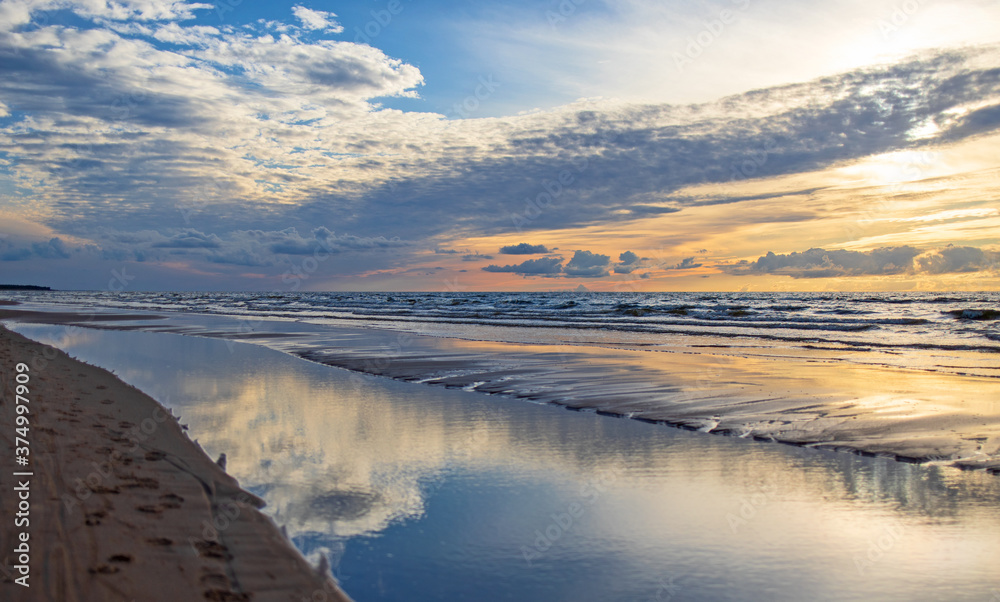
[{"x": 23, "y": 287}]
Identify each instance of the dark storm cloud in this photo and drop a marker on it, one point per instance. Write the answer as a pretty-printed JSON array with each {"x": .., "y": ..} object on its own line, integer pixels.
[
  {"x": 256, "y": 248},
  {"x": 686, "y": 264},
  {"x": 821, "y": 263},
  {"x": 544, "y": 266},
  {"x": 523, "y": 249},
  {"x": 54, "y": 248}
]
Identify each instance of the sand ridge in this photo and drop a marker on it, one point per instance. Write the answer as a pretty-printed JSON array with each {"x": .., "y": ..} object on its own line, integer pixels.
[{"x": 123, "y": 505}]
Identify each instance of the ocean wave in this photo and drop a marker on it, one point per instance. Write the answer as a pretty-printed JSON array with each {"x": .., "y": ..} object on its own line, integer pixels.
[
  {"x": 849, "y": 320},
  {"x": 975, "y": 314}
]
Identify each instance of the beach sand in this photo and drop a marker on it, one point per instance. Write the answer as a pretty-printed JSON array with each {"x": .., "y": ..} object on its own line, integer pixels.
[{"x": 121, "y": 505}]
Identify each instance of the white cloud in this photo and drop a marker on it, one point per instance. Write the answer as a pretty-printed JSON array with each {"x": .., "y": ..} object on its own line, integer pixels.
[
  {"x": 15, "y": 13},
  {"x": 176, "y": 34},
  {"x": 317, "y": 19}
]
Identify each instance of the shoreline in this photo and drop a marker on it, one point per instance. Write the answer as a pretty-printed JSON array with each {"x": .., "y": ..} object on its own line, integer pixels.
[
  {"x": 815, "y": 405},
  {"x": 121, "y": 504}
]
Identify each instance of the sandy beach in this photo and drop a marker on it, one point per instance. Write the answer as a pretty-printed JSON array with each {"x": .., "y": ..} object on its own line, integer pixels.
[{"x": 119, "y": 504}]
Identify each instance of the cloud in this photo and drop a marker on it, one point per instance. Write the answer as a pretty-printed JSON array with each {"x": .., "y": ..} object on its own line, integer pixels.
[
  {"x": 686, "y": 264},
  {"x": 257, "y": 248},
  {"x": 629, "y": 263},
  {"x": 131, "y": 116},
  {"x": 523, "y": 249},
  {"x": 53, "y": 248},
  {"x": 628, "y": 258},
  {"x": 192, "y": 239},
  {"x": 952, "y": 259},
  {"x": 284, "y": 120},
  {"x": 583, "y": 264},
  {"x": 644, "y": 210},
  {"x": 475, "y": 257},
  {"x": 544, "y": 266},
  {"x": 320, "y": 241},
  {"x": 317, "y": 19},
  {"x": 586, "y": 264},
  {"x": 820, "y": 263}
]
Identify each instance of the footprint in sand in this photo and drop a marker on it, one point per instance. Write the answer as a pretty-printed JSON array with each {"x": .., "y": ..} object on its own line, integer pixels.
[
  {"x": 222, "y": 595},
  {"x": 103, "y": 569},
  {"x": 171, "y": 500},
  {"x": 212, "y": 549},
  {"x": 94, "y": 518},
  {"x": 211, "y": 578},
  {"x": 136, "y": 482},
  {"x": 160, "y": 541}
]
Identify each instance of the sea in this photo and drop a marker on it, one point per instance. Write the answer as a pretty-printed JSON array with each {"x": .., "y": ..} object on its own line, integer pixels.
[{"x": 425, "y": 451}]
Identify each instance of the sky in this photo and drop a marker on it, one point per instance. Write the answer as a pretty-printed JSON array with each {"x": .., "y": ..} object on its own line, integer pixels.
[{"x": 444, "y": 145}]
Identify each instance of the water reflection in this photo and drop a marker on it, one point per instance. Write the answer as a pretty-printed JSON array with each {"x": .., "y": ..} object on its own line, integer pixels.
[{"x": 417, "y": 492}]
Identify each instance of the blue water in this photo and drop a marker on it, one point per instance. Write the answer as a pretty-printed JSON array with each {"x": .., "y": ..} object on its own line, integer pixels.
[
  {"x": 423, "y": 493},
  {"x": 883, "y": 321}
]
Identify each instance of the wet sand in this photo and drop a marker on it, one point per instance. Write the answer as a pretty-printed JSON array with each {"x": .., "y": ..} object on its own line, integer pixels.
[
  {"x": 811, "y": 400},
  {"x": 122, "y": 505}
]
